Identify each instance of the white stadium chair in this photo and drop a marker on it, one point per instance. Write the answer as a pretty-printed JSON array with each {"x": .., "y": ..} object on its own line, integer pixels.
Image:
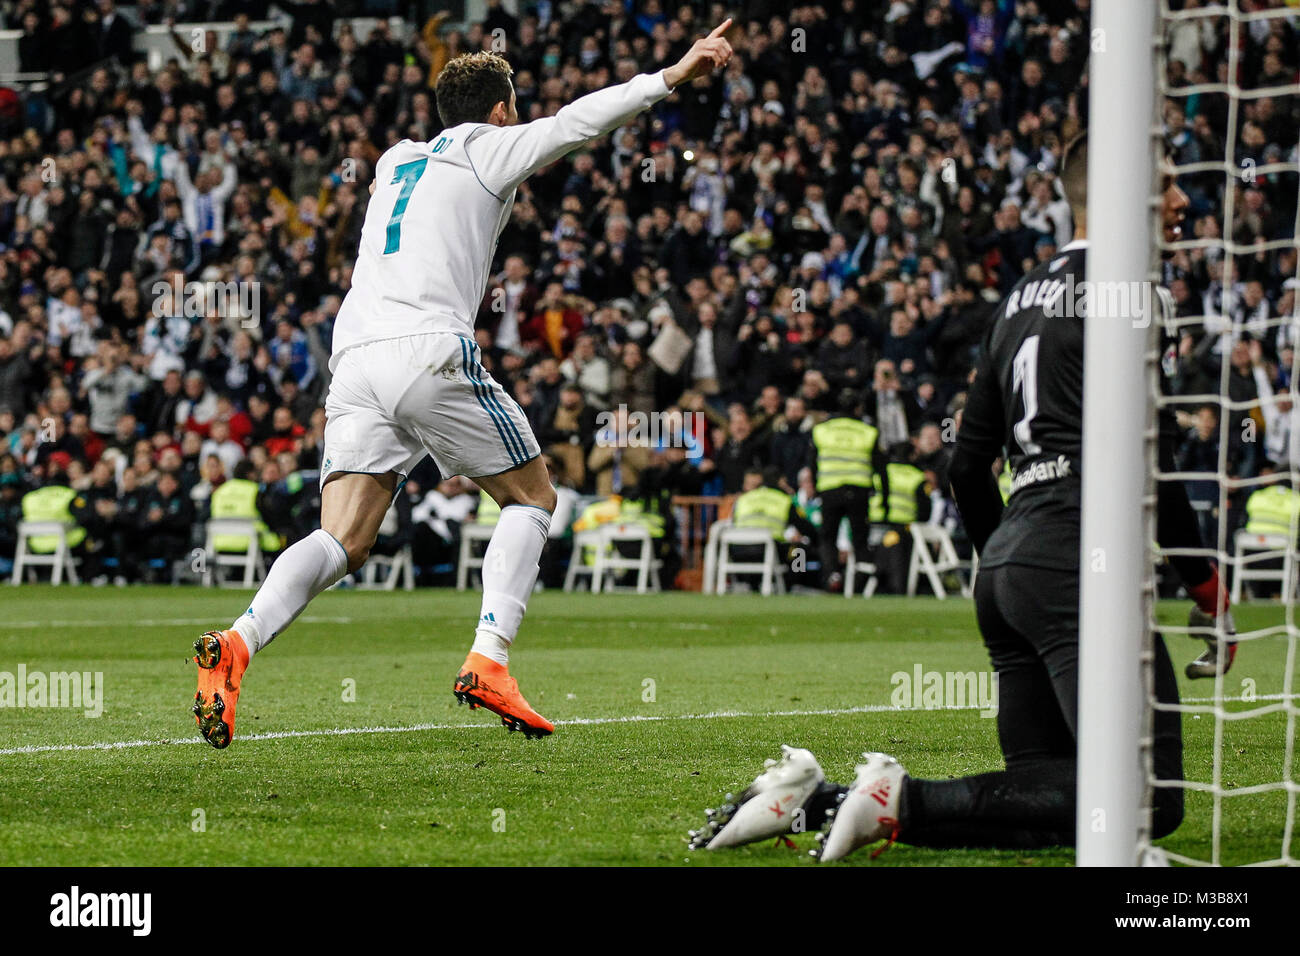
[
  {"x": 60, "y": 561},
  {"x": 1252, "y": 548},
  {"x": 933, "y": 564},
  {"x": 250, "y": 560},
  {"x": 851, "y": 570},
  {"x": 610, "y": 561},
  {"x": 578, "y": 568},
  {"x": 399, "y": 567},
  {"x": 470, "y": 532},
  {"x": 709, "y": 585},
  {"x": 770, "y": 567}
]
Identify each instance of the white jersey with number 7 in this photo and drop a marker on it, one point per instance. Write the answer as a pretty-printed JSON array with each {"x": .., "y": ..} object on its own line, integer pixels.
[{"x": 438, "y": 208}]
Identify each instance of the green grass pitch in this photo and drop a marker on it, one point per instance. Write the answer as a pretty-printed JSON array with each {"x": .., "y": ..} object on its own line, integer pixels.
[{"x": 664, "y": 703}]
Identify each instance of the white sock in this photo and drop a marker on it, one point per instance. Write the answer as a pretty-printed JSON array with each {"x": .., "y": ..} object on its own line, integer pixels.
[
  {"x": 509, "y": 573},
  {"x": 302, "y": 572}
]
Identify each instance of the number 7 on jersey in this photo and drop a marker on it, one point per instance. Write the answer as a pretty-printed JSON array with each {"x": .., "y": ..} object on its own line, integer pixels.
[
  {"x": 408, "y": 174},
  {"x": 1025, "y": 381}
]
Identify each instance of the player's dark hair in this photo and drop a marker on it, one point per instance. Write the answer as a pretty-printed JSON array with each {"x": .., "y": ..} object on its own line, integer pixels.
[
  {"x": 1074, "y": 176},
  {"x": 470, "y": 85}
]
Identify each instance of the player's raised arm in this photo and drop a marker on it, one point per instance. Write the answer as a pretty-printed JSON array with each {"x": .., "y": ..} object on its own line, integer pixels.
[{"x": 504, "y": 155}]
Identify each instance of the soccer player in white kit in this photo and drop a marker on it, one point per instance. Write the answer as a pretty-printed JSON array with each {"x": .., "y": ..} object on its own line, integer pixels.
[{"x": 408, "y": 380}]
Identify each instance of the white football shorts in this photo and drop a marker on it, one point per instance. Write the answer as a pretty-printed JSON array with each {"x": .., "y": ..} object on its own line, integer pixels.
[{"x": 393, "y": 401}]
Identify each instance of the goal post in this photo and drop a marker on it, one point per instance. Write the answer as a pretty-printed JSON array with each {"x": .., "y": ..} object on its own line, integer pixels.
[
  {"x": 1117, "y": 418},
  {"x": 1222, "y": 357}
]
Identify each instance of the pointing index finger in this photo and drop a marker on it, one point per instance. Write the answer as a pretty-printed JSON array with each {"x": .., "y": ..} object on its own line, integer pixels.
[{"x": 720, "y": 29}]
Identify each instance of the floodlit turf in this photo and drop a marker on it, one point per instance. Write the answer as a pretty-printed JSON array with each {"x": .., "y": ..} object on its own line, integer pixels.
[{"x": 647, "y": 672}]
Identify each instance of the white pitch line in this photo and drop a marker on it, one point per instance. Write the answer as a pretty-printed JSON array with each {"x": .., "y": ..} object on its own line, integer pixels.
[
  {"x": 412, "y": 728},
  {"x": 665, "y": 625},
  {"x": 155, "y": 622},
  {"x": 573, "y": 722}
]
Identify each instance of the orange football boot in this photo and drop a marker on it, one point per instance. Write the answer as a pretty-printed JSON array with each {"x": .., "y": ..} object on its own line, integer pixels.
[
  {"x": 222, "y": 657},
  {"x": 482, "y": 682}
]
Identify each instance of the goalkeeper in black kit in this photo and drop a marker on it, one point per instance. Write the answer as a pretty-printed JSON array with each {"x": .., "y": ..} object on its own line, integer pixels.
[{"x": 1025, "y": 402}]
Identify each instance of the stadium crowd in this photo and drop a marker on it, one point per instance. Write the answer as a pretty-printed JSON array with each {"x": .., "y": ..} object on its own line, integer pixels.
[{"x": 827, "y": 227}]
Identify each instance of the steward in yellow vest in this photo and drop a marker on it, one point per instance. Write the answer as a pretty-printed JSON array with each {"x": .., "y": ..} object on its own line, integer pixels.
[
  {"x": 908, "y": 501},
  {"x": 846, "y": 453},
  {"x": 598, "y": 513},
  {"x": 846, "y": 457},
  {"x": 764, "y": 505},
  {"x": 1273, "y": 509},
  {"x": 237, "y": 498},
  {"x": 634, "y": 511},
  {"x": 593, "y": 516},
  {"x": 909, "y": 496},
  {"x": 51, "y": 503}
]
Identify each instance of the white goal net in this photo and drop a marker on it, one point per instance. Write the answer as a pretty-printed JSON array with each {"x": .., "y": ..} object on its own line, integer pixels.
[{"x": 1227, "y": 107}]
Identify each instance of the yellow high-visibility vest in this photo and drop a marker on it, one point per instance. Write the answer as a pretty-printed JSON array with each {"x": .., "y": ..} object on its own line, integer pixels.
[
  {"x": 598, "y": 513},
  {"x": 489, "y": 512},
  {"x": 237, "y": 498},
  {"x": 51, "y": 503},
  {"x": 633, "y": 512},
  {"x": 593, "y": 516},
  {"x": 763, "y": 507},
  {"x": 904, "y": 479},
  {"x": 1273, "y": 510},
  {"x": 844, "y": 449}
]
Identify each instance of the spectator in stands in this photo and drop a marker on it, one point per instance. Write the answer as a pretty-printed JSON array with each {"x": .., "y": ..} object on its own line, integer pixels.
[
  {"x": 741, "y": 451},
  {"x": 843, "y": 360},
  {"x": 108, "y": 386},
  {"x": 1200, "y": 453},
  {"x": 15, "y": 375},
  {"x": 11, "y": 512},
  {"x": 589, "y": 371},
  {"x": 891, "y": 406},
  {"x": 167, "y": 523},
  {"x": 791, "y": 441},
  {"x": 632, "y": 383},
  {"x": 286, "y": 433}
]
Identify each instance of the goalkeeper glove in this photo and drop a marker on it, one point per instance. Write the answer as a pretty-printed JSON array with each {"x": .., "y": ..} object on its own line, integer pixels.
[{"x": 1219, "y": 651}]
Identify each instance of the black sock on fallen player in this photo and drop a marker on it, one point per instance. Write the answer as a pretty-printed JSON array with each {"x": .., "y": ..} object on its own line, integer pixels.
[
  {"x": 825, "y": 797},
  {"x": 1014, "y": 809}
]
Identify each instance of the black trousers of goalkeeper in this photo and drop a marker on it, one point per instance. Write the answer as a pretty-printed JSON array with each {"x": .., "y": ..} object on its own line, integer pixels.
[{"x": 1029, "y": 619}]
